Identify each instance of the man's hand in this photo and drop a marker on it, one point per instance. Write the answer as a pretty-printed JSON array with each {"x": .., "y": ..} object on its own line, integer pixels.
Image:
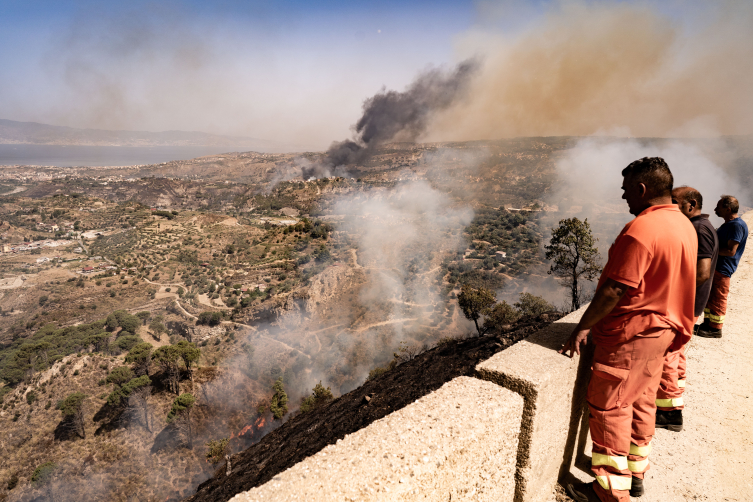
[
  {"x": 605, "y": 299},
  {"x": 577, "y": 338}
]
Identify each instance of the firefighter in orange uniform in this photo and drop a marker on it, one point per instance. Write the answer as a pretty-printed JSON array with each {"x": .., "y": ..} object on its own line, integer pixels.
[{"x": 643, "y": 307}]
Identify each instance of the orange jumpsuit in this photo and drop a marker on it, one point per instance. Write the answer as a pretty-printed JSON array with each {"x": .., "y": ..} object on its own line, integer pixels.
[
  {"x": 655, "y": 256},
  {"x": 672, "y": 385},
  {"x": 716, "y": 308}
]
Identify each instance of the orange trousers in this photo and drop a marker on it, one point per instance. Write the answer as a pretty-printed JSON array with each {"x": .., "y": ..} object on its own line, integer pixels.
[
  {"x": 672, "y": 385},
  {"x": 621, "y": 399},
  {"x": 716, "y": 307}
]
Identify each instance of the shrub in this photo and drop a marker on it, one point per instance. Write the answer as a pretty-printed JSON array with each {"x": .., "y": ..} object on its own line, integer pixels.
[
  {"x": 532, "y": 305},
  {"x": 210, "y": 318},
  {"x": 43, "y": 473},
  {"x": 182, "y": 404},
  {"x": 120, "y": 375},
  {"x": 279, "y": 404},
  {"x": 127, "y": 342},
  {"x": 72, "y": 408},
  {"x": 216, "y": 450},
  {"x": 320, "y": 396}
]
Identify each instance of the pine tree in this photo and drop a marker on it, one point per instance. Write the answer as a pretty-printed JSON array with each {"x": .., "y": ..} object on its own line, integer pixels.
[
  {"x": 574, "y": 256},
  {"x": 72, "y": 408},
  {"x": 279, "y": 403},
  {"x": 474, "y": 302}
]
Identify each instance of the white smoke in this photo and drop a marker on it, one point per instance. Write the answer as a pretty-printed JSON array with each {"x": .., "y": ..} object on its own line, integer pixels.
[
  {"x": 589, "y": 175},
  {"x": 400, "y": 235}
]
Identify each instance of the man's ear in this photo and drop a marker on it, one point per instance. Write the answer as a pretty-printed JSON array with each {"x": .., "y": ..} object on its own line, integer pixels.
[
  {"x": 693, "y": 203},
  {"x": 642, "y": 189}
]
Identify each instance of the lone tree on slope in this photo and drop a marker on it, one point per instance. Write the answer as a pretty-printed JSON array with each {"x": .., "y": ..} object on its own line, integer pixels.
[
  {"x": 72, "y": 408},
  {"x": 574, "y": 256},
  {"x": 279, "y": 404},
  {"x": 475, "y": 302}
]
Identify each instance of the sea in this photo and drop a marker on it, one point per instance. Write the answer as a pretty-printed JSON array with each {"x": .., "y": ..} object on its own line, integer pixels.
[{"x": 87, "y": 156}]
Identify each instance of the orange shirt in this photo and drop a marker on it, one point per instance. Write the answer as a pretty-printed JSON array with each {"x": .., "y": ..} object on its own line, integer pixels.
[{"x": 655, "y": 256}]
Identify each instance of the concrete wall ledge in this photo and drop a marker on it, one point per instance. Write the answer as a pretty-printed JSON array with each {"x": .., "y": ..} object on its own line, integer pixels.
[
  {"x": 457, "y": 443},
  {"x": 553, "y": 387}
]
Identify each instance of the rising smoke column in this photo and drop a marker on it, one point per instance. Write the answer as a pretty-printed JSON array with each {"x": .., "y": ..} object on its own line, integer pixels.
[{"x": 402, "y": 116}]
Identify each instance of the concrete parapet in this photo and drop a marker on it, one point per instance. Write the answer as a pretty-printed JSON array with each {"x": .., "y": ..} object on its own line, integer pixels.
[
  {"x": 553, "y": 387},
  {"x": 457, "y": 443}
]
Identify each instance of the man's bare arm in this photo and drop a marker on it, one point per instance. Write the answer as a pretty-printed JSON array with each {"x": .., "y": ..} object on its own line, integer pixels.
[
  {"x": 702, "y": 272},
  {"x": 605, "y": 299},
  {"x": 730, "y": 249}
]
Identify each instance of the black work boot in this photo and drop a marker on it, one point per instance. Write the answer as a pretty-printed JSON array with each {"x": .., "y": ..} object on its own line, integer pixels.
[
  {"x": 636, "y": 487},
  {"x": 707, "y": 331},
  {"x": 671, "y": 420},
  {"x": 583, "y": 492}
]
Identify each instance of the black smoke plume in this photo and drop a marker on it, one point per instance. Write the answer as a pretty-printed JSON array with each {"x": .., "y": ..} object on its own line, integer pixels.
[{"x": 392, "y": 115}]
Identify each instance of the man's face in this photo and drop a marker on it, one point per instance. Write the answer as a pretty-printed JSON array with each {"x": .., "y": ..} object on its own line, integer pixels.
[
  {"x": 721, "y": 211},
  {"x": 634, "y": 193},
  {"x": 686, "y": 207}
]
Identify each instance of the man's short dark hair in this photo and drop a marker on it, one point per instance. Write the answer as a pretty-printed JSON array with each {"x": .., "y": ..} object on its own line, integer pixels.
[
  {"x": 689, "y": 193},
  {"x": 730, "y": 202},
  {"x": 652, "y": 172}
]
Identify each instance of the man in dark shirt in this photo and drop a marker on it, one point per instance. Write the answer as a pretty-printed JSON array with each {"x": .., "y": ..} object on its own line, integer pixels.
[
  {"x": 732, "y": 237},
  {"x": 669, "y": 397}
]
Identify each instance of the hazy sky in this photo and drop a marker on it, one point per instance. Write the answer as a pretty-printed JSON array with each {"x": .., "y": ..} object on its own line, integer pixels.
[{"x": 298, "y": 72}]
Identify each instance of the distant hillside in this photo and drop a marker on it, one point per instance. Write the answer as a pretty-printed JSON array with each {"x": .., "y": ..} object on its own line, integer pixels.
[{"x": 12, "y": 132}]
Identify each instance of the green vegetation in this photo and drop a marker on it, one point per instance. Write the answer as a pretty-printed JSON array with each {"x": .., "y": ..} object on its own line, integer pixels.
[
  {"x": 141, "y": 357},
  {"x": 532, "y": 306},
  {"x": 42, "y": 474},
  {"x": 47, "y": 346},
  {"x": 181, "y": 405},
  {"x": 119, "y": 375},
  {"x": 474, "y": 302},
  {"x": 279, "y": 403},
  {"x": 210, "y": 318},
  {"x": 72, "y": 408},
  {"x": 321, "y": 395},
  {"x": 119, "y": 396},
  {"x": 574, "y": 256},
  {"x": 165, "y": 214},
  {"x": 216, "y": 450},
  {"x": 180, "y": 416}
]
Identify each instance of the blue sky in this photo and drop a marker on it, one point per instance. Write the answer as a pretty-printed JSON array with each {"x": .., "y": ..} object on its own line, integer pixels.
[{"x": 290, "y": 71}]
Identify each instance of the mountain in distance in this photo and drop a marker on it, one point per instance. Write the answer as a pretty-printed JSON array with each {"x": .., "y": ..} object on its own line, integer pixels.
[{"x": 33, "y": 133}]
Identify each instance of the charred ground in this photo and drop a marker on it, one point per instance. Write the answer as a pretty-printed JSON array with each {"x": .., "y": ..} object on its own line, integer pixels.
[{"x": 410, "y": 380}]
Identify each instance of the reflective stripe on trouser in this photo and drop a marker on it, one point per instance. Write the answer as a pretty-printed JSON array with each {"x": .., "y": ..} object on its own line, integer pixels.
[
  {"x": 609, "y": 483},
  {"x": 621, "y": 400},
  {"x": 638, "y": 459},
  {"x": 716, "y": 306},
  {"x": 669, "y": 395}
]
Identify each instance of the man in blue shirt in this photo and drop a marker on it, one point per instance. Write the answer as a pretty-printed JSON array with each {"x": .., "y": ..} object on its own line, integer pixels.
[{"x": 732, "y": 237}]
